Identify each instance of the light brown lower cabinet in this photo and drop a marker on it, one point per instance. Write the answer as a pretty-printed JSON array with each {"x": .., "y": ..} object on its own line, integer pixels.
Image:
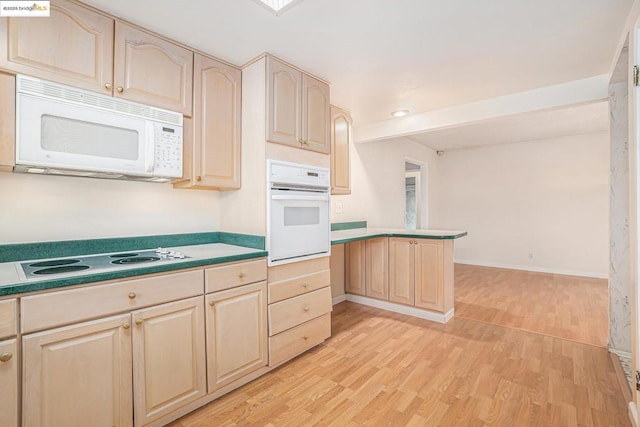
[
  {"x": 401, "y": 271},
  {"x": 421, "y": 273},
  {"x": 79, "y": 375},
  {"x": 408, "y": 271},
  {"x": 355, "y": 261},
  {"x": 9, "y": 382},
  {"x": 169, "y": 361},
  {"x": 377, "y": 269},
  {"x": 236, "y": 333},
  {"x": 84, "y": 374}
]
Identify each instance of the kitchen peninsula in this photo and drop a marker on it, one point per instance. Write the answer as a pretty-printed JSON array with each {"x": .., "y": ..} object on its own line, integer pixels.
[{"x": 405, "y": 271}]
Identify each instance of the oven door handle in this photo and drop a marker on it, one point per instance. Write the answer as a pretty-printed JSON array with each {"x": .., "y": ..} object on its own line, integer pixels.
[{"x": 307, "y": 198}]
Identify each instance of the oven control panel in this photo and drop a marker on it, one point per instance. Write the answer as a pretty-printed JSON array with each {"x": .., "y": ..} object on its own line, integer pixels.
[{"x": 291, "y": 173}]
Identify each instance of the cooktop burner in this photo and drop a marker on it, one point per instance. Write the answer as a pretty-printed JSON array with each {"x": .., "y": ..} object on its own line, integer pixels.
[
  {"x": 123, "y": 255},
  {"x": 67, "y": 266},
  {"x": 54, "y": 263},
  {"x": 135, "y": 260},
  {"x": 62, "y": 269}
]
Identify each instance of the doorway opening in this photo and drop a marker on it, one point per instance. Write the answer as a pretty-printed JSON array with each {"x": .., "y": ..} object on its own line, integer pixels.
[{"x": 415, "y": 186}]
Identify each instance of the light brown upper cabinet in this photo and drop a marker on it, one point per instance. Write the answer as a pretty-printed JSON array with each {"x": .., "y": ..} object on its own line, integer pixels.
[
  {"x": 297, "y": 108},
  {"x": 150, "y": 70},
  {"x": 86, "y": 49},
  {"x": 212, "y": 139},
  {"x": 340, "y": 145},
  {"x": 74, "y": 46}
]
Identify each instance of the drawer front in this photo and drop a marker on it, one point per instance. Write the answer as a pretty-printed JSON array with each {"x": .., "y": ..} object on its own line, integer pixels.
[
  {"x": 286, "y": 314},
  {"x": 8, "y": 324},
  {"x": 233, "y": 275},
  {"x": 64, "y": 307},
  {"x": 291, "y": 343},
  {"x": 284, "y": 289},
  {"x": 295, "y": 269}
]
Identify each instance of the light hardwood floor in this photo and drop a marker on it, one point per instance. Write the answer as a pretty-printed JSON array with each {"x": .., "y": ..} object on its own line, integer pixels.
[
  {"x": 387, "y": 369},
  {"x": 570, "y": 307}
]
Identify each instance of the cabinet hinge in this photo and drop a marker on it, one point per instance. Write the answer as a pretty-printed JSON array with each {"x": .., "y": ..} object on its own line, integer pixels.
[
  {"x": 636, "y": 71},
  {"x": 638, "y": 380}
]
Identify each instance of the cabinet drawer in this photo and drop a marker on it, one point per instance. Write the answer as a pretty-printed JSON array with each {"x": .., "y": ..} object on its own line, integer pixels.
[
  {"x": 284, "y": 289},
  {"x": 295, "y": 269},
  {"x": 8, "y": 326},
  {"x": 232, "y": 275},
  {"x": 289, "y": 344},
  {"x": 294, "y": 311},
  {"x": 63, "y": 307}
]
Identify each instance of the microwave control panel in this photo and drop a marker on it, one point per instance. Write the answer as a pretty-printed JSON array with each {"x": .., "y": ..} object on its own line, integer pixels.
[{"x": 168, "y": 150}]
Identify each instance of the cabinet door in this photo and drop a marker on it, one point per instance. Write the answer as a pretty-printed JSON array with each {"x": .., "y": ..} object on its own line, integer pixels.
[
  {"x": 78, "y": 375},
  {"x": 9, "y": 383},
  {"x": 315, "y": 115},
  {"x": 236, "y": 333},
  {"x": 73, "y": 46},
  {"x": 354, "y": 254},
  {"x": 151, "y": 70},
  {"x": 169, "y": 358},
  {"x": 340, "y": 146},
  {"x": 377, "y": 276},
  {"x": 8, "y": 122},
  {"x": 217, "y": 124},
  {"x": 428, "y": 274},
  {"x": 401, "y": 270},
  {"x": 284, "y": 95}
]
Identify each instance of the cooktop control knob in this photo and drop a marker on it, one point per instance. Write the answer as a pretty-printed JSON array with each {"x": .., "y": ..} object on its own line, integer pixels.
[{"x": 178, "y": 255}]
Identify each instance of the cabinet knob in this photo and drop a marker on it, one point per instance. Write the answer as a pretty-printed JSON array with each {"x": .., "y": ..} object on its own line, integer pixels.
[
  {"x": 241, "y": 275},
  {"x": 139, "y": 322},
  {"x": 132, "y": 295},
  {"x": 212, "y": 303},
  {"x": 120, "y": 89},
  {"x": 305, "y": 338},
  {"x": 305, "y": 285},
  {"x": 306, "y": 308},
  {"x": 126, "y": 326},
  {"x": 5, "y": 357},
  {"x": 107, "y": 86},
  {"x": 198, "y": 178}
]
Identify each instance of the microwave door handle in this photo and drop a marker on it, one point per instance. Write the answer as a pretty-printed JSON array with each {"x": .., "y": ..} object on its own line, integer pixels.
[
  {"x": 306, "y": 198},
  {"x": 150, "y": 154}
]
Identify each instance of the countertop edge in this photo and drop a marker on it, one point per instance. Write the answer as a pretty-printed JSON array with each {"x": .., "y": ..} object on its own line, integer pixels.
[
  {"x": 407, "y": 235},
  {"x": 24, "y": 287}
]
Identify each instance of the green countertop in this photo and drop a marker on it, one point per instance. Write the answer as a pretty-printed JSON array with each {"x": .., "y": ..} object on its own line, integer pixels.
[
  {"x": 201, "y": 248},
  {"x": 354, "y": 234}
]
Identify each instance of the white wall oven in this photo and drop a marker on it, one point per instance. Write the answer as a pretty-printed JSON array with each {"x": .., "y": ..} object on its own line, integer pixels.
[{"x": 298, "y": 206}]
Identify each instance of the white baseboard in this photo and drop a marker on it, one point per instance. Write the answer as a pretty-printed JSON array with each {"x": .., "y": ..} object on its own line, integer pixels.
[
  {"x": 339, "y": 299},
  {"x": 535, "y": 269},
  {"x": 402, "y": 309},
  {"x": 633, "y": 413},
  {"x": 625, "y": 354}
]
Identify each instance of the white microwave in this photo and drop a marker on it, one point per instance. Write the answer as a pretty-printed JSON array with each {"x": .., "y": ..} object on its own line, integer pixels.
[{"x": 67, "y": 131}]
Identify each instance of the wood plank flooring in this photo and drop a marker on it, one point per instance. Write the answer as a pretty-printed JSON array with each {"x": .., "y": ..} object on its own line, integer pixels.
[
  {"x": 387, "y": 369},
  {"x": 570, "y": 307}
]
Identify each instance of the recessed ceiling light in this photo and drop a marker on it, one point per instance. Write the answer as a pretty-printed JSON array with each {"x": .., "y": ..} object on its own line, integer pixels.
[
  {"x": 278, "y": 6},
  {"x": 400, "y": 113}
]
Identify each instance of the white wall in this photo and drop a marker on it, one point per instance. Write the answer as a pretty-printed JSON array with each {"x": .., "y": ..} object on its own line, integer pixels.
[
  {"x": 45, "y": 208},
  {"x": 547, "y": 198},
  {"x": 377, "y": 183}
]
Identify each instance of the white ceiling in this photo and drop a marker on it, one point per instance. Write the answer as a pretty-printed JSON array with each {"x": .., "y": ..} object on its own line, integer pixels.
[
  {"x": 519, "y": 128},
  {"x": 421, "y": 55}
]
